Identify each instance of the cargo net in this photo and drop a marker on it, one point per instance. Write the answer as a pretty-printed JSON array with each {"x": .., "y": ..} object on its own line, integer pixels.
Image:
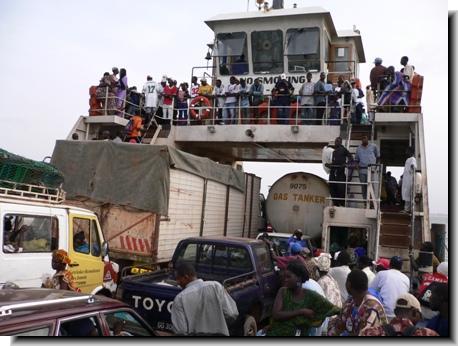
[{"x": 24, "y": 178}]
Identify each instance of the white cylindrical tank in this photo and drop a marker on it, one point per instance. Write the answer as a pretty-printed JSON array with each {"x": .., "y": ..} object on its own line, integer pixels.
[{"x": 297, "y": 200}]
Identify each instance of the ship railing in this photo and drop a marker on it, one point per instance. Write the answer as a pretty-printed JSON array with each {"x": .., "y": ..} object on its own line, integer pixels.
[
  {"x": 267, "y": 113},
  {"x": 372, "y": 187},
  {"x": 116, "y": 106}
]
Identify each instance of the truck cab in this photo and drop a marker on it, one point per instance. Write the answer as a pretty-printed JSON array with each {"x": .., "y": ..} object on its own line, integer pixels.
[
  {"x": 244, "y": 267},
  {"x": 34, "y": 223}
]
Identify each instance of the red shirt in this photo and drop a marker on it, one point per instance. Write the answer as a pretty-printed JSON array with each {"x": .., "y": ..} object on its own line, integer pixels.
[{"x": 169, "y": 93}]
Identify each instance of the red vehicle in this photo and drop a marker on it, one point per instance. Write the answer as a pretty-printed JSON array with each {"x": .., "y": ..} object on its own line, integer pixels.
[{"x": 48, "y": 312}]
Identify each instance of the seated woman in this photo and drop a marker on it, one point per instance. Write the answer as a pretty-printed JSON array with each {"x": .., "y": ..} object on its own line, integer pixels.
[{"x": 296, "y": 310}]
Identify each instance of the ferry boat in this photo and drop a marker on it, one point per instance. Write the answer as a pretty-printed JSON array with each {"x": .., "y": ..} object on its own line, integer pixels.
[{"x": 264, "y": 45}]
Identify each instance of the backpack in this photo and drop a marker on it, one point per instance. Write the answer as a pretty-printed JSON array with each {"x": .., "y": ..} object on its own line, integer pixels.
[
  {"x": 360, "y": 93},
  {"x": 389, "y": 330}
]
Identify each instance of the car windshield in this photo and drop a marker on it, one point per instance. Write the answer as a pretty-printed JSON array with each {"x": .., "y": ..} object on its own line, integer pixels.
[{"x": 281, "y": 243}]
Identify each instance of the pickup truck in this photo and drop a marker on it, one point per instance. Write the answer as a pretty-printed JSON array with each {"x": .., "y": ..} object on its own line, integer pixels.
[{"x": 244, "y": 267}]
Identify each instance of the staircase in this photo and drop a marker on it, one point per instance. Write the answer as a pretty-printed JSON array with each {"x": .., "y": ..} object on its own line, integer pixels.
[
  {"x": 155, "y": 131},
  {"x": 395, "y": 237}
]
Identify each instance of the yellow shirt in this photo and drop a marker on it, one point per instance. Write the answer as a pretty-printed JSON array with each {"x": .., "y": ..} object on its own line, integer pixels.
[{"x": 205, "y": 90}]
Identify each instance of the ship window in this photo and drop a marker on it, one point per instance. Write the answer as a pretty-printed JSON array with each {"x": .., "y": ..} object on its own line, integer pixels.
[
  {"x": 231, "y": 50},
  {"x": 267, "y": 51},
  {"x": 303, "y": 49}
]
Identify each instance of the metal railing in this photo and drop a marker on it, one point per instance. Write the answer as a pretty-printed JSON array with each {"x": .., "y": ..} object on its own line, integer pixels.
[
  {"x": 373, "y": 189},
  {"x": 30, "y": 192}
]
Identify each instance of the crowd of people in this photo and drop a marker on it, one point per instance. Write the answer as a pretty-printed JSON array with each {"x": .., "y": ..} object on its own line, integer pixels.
[
  {"x": 315, "y": 103},
  {"x": 356, "y": 295}
]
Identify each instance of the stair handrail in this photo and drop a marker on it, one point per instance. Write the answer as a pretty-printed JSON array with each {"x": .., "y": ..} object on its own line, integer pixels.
[{"x": 412, "y": 225}]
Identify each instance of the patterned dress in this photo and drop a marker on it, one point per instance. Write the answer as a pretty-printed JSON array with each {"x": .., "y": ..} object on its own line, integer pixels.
[
  {"x": 399, "y": 325},
  {"x": 62, "y": 276},
  {"x": 300, "y": 324},
  {"x": 354, "y": 319},
  {"x": 331, "y": 290}
]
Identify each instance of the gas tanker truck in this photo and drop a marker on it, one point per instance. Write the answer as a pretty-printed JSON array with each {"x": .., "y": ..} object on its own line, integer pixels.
[{"x": 297, "y": 200}]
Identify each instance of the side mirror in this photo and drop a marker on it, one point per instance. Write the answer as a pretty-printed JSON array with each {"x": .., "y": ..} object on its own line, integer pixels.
[{"x": 104, "y": 249}]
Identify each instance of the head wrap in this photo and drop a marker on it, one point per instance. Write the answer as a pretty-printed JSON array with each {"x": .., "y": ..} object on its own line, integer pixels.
[
  {"x": 61, "y": 256},
  {"x": 323, "y": 262}
]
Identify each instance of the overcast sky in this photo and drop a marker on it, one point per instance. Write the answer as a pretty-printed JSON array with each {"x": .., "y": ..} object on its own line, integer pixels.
[{"x": 52, "y": 51}]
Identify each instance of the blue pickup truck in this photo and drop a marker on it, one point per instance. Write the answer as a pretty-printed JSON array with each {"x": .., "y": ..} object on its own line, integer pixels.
[{"x": 244, "y": 267}]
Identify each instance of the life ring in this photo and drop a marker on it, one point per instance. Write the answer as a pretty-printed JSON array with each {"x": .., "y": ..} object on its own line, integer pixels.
[{"x": 200, "y": 102}]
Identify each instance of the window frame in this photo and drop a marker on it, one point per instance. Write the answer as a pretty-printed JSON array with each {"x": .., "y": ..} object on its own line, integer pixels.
[
  {"x": 312, "y": 66},
  {"x": 95, "y": 314},
  {"x": 132, "y": 313},
  {"x": 229, "y": 60},
  {"x": 280, "y": 62},
  {"x": 54, "y": 219}
]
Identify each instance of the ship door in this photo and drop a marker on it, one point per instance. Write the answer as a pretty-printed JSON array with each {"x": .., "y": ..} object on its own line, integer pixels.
[{"x": 341, "y": 62}]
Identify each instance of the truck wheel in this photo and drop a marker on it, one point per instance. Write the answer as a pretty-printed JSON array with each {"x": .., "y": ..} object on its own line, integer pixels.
[{"x": 250, "y": 327}]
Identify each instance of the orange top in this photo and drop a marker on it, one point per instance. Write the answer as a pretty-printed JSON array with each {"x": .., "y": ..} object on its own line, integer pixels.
[{"x": 137, "y": 125}]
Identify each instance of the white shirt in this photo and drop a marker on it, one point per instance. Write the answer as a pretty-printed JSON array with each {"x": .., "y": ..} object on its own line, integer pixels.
[
  {"x": 391, "y": 284},
  {"x": 407, "y": 178},
  {"x": 340, "y": 275},
  {"x": 307, "y": 90},
  {"x": 203, "y": 307},
  {"x": 160, "y": 90},
  {"x": 408, "y": 71},
  {"x": 194, "y": 90},
  {"x": 150, "y": 92},
  {"x": 370, "y": 275},
  {"x": 231, "y": 89},
  {"x": 219, "y": 92},
  {"x": 326, "y": 157}
]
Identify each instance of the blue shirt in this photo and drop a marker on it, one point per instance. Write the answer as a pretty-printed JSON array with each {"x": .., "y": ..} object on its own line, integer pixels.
[
  {"x": 440, "y": 325},
  {"x": 367, "y": 155}
]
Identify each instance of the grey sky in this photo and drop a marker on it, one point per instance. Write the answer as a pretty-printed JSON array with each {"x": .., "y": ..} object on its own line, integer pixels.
[{"x": 52, "y": 51}]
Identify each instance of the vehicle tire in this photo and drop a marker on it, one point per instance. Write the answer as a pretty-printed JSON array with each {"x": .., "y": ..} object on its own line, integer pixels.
[{"x": 250, "y": 327}]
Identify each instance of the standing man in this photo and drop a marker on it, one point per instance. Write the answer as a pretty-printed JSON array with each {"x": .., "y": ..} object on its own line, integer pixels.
[
  {"x": 391, "y": 186},
  {"x": 391, "y": 284},
  {"x": 150, "y": 93},
  {"x": 194, "y": 87},
  {"x": 231, "y": 92},
  {"x": 306, "y": 92},
  {"x": 339, "y": 160},
  {"x": 257, "y": 94},
  {"x": 283, "y": 89},
  {"x": 366, "y": 154},
  {"x": 319, "y": 91},
  {"x": 170, "y": 92},
  {"x": 408, "y": 70},
  {"x": 376, "y": 75},
  {"x": 218, "y": 93},
  {"x": 410, "y": 167},
  {"x": 205, "y": 89},
  {"x": 202, "y": 307}
]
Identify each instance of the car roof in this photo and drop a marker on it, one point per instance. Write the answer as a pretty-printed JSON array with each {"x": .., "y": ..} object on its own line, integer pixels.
[
  {"x": 31, "y": 304},
  {"x": 223, "y": 239},
  {"x": 282, "y": 235}
]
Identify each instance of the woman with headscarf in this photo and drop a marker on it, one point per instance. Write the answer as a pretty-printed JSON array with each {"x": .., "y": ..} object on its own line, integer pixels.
[
  {"x": 296, "y": 310},
  {"x": 63, "y": 278}
]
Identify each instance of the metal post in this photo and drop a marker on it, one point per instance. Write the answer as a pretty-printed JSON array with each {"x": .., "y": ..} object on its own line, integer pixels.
[
  {"x": 106, "y": 100},
  {"x": 297, "y": 109},
  {"x": 412, "y": 225},
  {"x": 268, "y": 111}
]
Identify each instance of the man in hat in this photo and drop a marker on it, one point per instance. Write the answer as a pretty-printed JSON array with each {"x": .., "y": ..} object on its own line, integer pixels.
[
  {"x": 381, "y": 264},
  {"x": 377, "y": 74},
  {"x": 408, "y": 314},
  {"x": 205, "y": 89},
  {"x": 391, "y": 284}
]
